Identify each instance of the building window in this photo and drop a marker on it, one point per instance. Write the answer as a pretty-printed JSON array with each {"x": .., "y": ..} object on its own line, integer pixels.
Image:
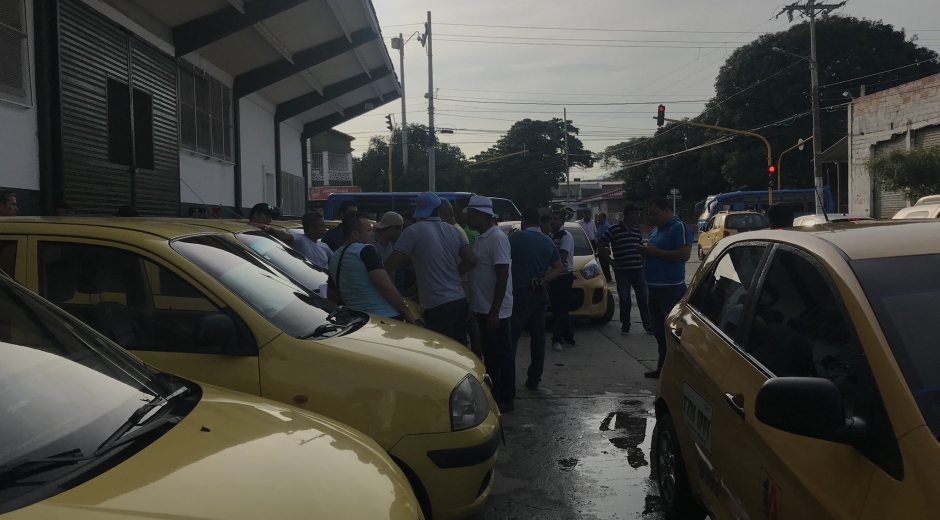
[
  {"x": 14, "y": 53},
  {"x": 205, "y": 114},
  {"x": 127, "y": 135}
]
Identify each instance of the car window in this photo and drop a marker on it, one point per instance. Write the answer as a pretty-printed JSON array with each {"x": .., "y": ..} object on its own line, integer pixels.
[
  {"x": 8, "y": 257},
  {"x": 746, "y": 222},
  {"x": 710, "y": 225},
  {"x": 582, "y": 246},
  {"x": 721, "y": 296},
  {"x": 917, "y": 214},
  {"x": 286, "y": 259},
  {"x": 131, "y": 300},
  {"x": 799, "y": 327}
]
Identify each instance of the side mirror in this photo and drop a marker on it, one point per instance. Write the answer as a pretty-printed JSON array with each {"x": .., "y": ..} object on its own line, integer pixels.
[
  {"x": 215, "y": 331},
  {"x": 807, "y": 406}
]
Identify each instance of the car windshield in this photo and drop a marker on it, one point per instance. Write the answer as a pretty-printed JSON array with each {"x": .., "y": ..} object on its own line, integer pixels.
[
  {"x": 582, "y": 246},
  {"x": 288, "y": 261},
  {"x": 904, "y": 292},
  {"x": 917, "y": 214},
  {"x": 506, "y": 229},
  {"x": 63, "y": 389},
  {"x": 293, "y": 309},
  {"x": 746, "y": 222}
]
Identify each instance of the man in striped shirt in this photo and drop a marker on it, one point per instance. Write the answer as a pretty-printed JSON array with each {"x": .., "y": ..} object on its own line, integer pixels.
[{"x": 628, "y": 265}]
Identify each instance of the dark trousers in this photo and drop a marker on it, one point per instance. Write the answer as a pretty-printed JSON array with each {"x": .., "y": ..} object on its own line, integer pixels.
[
  {"x": 627, "y": 278},
  {"x": 498, "y": 358},
  {"x": 528, "y": 312},
  {"x": 605, "y": 265},
  {"x": 560, "y": 289},
  {"x": 661, "y": 302},
  {"x": 449, "y": 319}
]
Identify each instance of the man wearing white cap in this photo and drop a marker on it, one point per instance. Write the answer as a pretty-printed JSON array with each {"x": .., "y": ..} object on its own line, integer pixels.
[
  {"x": 386, "y": 233},
  {"x": 491, "y": 296},
  {"x": 434, "y": 247}
]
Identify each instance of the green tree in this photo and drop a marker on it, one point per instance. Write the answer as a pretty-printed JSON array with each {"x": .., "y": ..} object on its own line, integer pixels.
[
  {"x": 528, "y": 179},
  {"x": 916, "y": 173},
  {"x": 757, "y": 86},
  {"x": 369, "y": 171}
]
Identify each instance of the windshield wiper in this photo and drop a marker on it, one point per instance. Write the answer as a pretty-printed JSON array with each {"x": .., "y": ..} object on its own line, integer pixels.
[
  {"x": 330, "y": 327},
  {"x": 121, "y": 436},
  {"x": 30, "y": 467}
]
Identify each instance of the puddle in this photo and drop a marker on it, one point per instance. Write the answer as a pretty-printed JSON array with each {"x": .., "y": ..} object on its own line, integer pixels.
[{"x": 568, "y": 464}]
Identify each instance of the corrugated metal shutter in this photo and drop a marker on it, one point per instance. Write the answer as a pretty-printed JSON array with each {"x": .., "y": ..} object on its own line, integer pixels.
[
  {"x": 158, "y": 191},
  {"x": 926, "y": 137},
  {"x": 294, "y": 194},
  {"x": 886, "y": 203},
  {"x": 91, "y": 51}
]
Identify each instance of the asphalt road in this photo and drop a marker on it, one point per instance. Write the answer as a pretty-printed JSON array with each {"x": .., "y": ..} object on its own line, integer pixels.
[{"x": 579, "y": 447}]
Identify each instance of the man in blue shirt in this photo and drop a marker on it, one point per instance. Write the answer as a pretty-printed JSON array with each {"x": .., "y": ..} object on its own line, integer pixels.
[
  {"x": 600, "y": 221},
  {"x": 535, "y": 263},
  {"x": 335, "y": 237},
  {"x": 668, "y": 249}
]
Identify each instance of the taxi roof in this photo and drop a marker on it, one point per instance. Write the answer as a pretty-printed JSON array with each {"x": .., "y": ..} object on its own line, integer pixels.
[
  {"x": 865, "y": 239},
  {"x": 168, "y": 228}
]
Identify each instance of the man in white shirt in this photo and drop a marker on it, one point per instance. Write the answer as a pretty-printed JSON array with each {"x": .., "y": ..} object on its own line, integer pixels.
[
  {"x": 491, "y": 295},
  {"x": 560, "y": 288},
  {"x": 587, "y": 224},
  {"x": 309, "y": 242}
]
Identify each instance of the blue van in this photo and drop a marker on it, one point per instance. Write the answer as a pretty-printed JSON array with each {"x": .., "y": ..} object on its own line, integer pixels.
[{"x": 404, "y": 202}]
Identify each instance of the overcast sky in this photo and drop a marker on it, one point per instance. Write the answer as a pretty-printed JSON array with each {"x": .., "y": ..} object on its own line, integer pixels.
[{"x": 566, "y": 67}]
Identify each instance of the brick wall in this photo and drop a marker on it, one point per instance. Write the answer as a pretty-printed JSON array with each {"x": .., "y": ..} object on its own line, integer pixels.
[{"x": 880, "y": 117}]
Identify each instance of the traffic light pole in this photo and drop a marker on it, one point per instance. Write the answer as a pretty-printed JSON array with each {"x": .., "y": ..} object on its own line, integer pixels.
[
  {"x": 404, "y": 116},
  {"x": 433, "y": 143},
  {"x": 790, "y": 149}
]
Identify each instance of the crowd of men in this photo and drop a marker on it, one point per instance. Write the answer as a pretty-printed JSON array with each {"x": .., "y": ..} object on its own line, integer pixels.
[{"x": 479, "y": 286}]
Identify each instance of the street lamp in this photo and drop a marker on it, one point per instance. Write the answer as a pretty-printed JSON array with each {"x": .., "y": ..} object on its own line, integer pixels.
[{"x": 799, "y": 145}]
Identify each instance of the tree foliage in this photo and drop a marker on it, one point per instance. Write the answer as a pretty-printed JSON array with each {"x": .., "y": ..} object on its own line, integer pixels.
[
  {"x": 528, "y": 179},
  {"x": 916, "y": 173},
  {"x": 757, "y": 87},
  {"x": 450, "y": 168}
]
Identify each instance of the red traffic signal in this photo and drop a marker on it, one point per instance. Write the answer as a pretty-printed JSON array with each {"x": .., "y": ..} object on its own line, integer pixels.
[
  {"x": 771, "y": 176},
  {"x": 661, "y": 115},
  {"x": 771, "y": 169}
]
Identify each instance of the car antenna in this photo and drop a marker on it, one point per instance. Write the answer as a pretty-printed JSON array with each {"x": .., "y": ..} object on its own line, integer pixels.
[
  {"x": 822, "y": 206},
  {"x": 208, "y": 209}
]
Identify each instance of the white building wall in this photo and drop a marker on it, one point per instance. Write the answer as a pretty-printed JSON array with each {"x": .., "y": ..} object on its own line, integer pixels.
[
  {"x": 205, "y": 180},
  {"x": 257, "y": 150},
  {"x": 19, "y": 140},
  {"x": 880, "y": 117},
  {"x": 291, "y": 149}
]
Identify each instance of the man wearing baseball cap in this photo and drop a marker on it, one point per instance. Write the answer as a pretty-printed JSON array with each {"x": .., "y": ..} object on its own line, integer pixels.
[
  {"x": 386, "y": 233},
  {"x": 434, "y": 247},
  {"x": 491, "y": 297}
]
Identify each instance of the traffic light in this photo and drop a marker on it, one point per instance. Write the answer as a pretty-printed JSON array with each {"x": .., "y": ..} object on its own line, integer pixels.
[
  {"x": 661, "y": 115},
  {"x": 388, "y": 122},
  {"x": 771, "y": 176}
]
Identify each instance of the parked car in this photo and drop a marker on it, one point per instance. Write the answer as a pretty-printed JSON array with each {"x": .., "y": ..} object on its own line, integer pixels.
[
  {"x": 919, "y": 211},
  {"x": 727, "y": 223},
  {"x": 820, "y": 218},
  {"x": 801, "y": 377},
  {"x": 91, "y": 432},
  {"x": 590, "y": 297},
  {"x": 190, "y": 301}
]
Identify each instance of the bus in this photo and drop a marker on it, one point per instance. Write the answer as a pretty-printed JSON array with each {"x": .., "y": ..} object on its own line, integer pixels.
[
  {"x": 803, "y": 202},
  {"x": 403, "y": 202}
]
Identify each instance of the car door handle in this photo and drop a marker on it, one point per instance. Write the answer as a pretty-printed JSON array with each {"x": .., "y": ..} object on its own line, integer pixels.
[
  {"x": 676, "y": 334},
  {"x": 733, "y": 401}
]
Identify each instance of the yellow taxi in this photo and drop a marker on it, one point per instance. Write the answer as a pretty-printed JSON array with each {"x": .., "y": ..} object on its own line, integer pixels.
[
  {"x": 190, "y": 301},
  {"x": 801, "y": 377},
  {"x": 90, "y": 432},
  {"x": 726, "y": 223},
  {"x": 590, "y": 297}
]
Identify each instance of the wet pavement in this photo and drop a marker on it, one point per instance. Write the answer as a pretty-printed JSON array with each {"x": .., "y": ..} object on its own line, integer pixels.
[{"x": 579, "y": 446}]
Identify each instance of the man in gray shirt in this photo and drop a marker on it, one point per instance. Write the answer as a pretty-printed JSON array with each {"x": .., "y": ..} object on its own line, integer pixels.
[{"x": 434, "y": 247}]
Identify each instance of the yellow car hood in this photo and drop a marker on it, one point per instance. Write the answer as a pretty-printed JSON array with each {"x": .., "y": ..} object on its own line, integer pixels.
[
  {"x": 256, "y": 459},
  {"x": 381, "y": 335}
]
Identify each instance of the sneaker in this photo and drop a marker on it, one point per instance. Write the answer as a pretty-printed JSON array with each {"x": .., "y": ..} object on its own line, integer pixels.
[
  {"x": 624, "y": 332},
  {"x": 505, "y": 407},
  {"x": 652, "y": 374},
  {"x": 556, "y": 346},
  {"x": 531, "y": 386},
  {"x": 648, "y": 331},
  {"x": 568, "y": 342}
]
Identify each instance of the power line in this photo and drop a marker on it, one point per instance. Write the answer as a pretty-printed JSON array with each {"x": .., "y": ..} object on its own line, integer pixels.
[
  {"x": 878, "y": 73},
  {"x": 594, "y": 29},
  {"x": 552, "y": 93},
  {"x": 566, "y": 103},
  {"x": 569, "y": 45},
  {"x": 602, "y": 40}
]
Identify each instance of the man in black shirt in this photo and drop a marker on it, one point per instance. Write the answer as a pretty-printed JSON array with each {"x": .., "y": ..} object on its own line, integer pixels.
[{"x": 628, "y": 265}]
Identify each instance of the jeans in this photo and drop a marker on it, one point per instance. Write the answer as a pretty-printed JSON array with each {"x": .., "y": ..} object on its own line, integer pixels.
[
  {"x": 449, "y": 319},
  {"x": 528, "y": 311},
  {"x": 498, "y": 358},
  {"x": 605, "y": 265},
  {"x": 661, "y": 302},
  {"x": 627, "y": 278},
  {"x": 561, "y": 300}
]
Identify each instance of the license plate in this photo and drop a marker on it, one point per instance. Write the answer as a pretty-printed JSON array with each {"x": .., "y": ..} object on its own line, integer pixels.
[{"x": 697, "y": 416}]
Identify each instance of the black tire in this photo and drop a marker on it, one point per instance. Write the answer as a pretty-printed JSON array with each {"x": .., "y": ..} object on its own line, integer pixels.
[
  {"x": 701, "y": 254},
  {"x": 609, "y": 315},
  {"x": 671, "y": 479}
]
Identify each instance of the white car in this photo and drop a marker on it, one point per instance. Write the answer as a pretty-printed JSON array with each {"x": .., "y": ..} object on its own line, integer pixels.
[
  {"x": 919, "y": 211},
  {"x": 819, "y": 218}
]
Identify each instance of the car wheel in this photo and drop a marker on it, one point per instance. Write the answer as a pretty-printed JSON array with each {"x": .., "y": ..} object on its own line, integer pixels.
[
  {"x": 671, "y": 478},
  {"x": 609, "y": 315},
  {"x": 701, "y": 254}
]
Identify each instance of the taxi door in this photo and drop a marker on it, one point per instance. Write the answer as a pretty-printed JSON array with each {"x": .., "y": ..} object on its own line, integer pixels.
[
  {"x": 13, "y": 257},
  {"x": 144, "y": 305},
  {"x": 796, "y": 326},
  {"x": 701, "y": 331}
]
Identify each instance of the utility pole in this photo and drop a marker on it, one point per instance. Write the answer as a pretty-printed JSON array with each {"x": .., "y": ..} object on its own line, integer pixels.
[
  {"x": 567, "y": 171},
  {"x": 433, "y": 144},
  {"x": 400, "y": 45},
  {"x": 810, "y": 9}
]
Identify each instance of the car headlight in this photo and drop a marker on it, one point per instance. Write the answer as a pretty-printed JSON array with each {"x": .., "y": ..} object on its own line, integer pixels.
[
  {"x": 590, "y": 270},
  {"x": 468, "y": 404}
]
